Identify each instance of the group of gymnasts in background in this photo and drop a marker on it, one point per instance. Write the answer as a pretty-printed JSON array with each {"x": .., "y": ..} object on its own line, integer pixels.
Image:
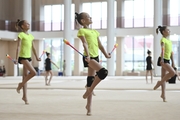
[{"x": 92, "y": 44}]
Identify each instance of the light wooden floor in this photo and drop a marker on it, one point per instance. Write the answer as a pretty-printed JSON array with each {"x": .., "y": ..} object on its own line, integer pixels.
[{"x": 117, "y": 98}]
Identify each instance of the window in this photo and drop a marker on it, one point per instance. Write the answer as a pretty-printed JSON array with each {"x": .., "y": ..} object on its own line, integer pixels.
[
  {"x": 128, "y": 53},
  {"x": 47, "y": 17},
  {"x": 99, "y": 15},
  {"x": 102, "y": 58},
  {"x": 54, "y": 17},
  {"x": 136, "y": 51},
  {"x": 96, "y": 15},
  {"x": 174, "y": 12},
  {"x": 149, "y": 13},
  {"x": 55, "y": 47},
  {"x": 176, "y": 44},
  {"x": 104, "y": 15},
  {"x": 138, "y": 13},
  {"x": 86, "y": 7},
  {"x": 56, "y": 55},
  {"x": 128, "y": 13}
]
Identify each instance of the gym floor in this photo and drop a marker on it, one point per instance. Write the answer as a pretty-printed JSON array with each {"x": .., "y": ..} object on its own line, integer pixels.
[{"x": 117, "y": 98}]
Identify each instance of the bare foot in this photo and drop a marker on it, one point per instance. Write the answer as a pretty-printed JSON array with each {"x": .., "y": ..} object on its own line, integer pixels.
[
  {"x": 88, "y": 111},
  {"x": 19, "y": 88},
  {"x": 157, "y": 85},
  {"x": 164, "y": 99},
  {"x": 25, "y": 101}
]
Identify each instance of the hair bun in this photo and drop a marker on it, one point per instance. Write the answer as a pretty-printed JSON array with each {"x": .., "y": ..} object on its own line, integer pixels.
[
  {"x": 159, "y": 27},
  {"x": 76, "y": 15},
  {"x": 47, "y": 53},
  {"x": 148, "y": 52},
  {"x": 18, "y": 20}
]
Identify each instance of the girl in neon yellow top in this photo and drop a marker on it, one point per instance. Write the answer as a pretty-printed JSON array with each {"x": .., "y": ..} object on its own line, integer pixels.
[
  {"x": 166, "y": 55},
  {"x": 25, "y": 44},
  {"x": 91, "y": 43},
  {"x": 91, "y": 39}
]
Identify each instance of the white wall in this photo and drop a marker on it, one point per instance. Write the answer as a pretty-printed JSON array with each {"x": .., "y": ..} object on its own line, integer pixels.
[{"x": 120, "y": 32}]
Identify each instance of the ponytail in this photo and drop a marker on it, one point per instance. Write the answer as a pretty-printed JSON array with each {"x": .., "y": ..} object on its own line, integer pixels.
[
  {"x": 161, "y": 29},
  {"x": 157, "y": 29},
  {"x": 78, "y": 18},
  {"x": 18, "y": 24},
  {"x": 76, "y": 15}
]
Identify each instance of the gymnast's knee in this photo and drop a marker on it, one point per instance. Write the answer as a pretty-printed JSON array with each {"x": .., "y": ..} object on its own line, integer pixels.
[
  {"x": 102, "y": 73},
  {"x": 90, "y": 80}
]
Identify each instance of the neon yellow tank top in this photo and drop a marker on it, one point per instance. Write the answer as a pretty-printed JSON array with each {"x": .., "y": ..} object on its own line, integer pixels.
[
  {"x": 167, "y": 48},
  {"x": 92, "y": 40},
  {"x": 26, "y": 44}
]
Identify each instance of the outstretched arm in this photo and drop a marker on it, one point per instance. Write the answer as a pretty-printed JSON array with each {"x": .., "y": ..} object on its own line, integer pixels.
[
  {"x": 102, "y": 49},
  {"x": 54, "y": 64}
]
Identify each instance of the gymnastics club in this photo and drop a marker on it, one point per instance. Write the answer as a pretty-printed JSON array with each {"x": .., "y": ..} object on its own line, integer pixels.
[
  {"x": 67, "y": 43},
  {"x": 42, "y": 53},
  {"x": 115, "y": 46},
  {"x": 8, "y": 56}
]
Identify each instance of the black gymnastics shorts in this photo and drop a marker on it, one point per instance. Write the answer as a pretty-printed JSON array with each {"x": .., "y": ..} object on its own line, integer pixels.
[
  {"x": 148, "y": 67},
  {"x": 21, "y": 58},
  {"x": 159, "y": 60},
  {"x": 86, "y": 64},
  {"x": 48, "y": 68}
]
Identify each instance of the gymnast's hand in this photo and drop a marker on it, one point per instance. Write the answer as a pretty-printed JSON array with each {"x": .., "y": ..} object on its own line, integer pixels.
[
  {"x": 15, "y": 62},
  {"x": 108, "y": 55},
  {"x": 88, "y": 59},
  {"x": 38, "y": 59}
]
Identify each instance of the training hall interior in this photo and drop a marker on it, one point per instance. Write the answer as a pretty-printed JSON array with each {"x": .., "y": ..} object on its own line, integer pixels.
[
  {"x": 118, "y": 21},
  {"x": 128, "y": 25}
]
